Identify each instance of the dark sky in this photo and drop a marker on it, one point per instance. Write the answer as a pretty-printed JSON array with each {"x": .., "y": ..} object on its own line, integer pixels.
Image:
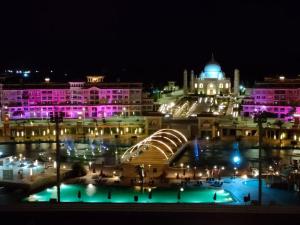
[{"x": 151, "y": 40}]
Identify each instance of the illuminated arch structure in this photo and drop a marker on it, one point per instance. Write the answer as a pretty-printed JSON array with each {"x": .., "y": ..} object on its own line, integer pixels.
[{"x": 158, "y": 148}]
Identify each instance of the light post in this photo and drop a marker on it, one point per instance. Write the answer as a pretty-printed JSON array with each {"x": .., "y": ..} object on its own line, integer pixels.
[
  {"x": 90, "y": 165},
  {"x": 236, "y": 158},
  {"x": 149, "y": 173},
  {"x": 181, "y": 165},
  {"x": 57, "y": 118},
  {"x": 179, "y": 193},
  {"x": 124, "y": 112},
  {"x": 260, "y": 118}
]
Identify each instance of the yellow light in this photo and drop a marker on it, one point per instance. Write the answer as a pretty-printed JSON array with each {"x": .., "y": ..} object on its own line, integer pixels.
[{"x": 244, "y": 176}]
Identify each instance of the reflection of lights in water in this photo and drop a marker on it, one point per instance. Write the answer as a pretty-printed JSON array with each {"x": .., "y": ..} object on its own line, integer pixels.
[
  {"x": 90, "y": 190},
  {"x": 220, "y": 192}
]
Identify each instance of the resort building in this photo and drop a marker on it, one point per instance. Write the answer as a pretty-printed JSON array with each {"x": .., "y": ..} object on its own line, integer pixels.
[
  {"x": 279, "y": 96},
  {"x": 91, "y": 99}
]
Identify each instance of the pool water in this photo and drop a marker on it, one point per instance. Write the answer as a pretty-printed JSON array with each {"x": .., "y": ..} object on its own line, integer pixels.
[{"x": 99, "y": 194}]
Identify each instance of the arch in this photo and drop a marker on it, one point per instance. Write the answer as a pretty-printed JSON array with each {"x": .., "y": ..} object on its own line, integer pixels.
[
  {"x": 176, "y": 131},
  {"x": 173, "y": 142},
  {"x": 156, "y": 147},
  {"x": 174, "y": 138},
  {"x": 161, "y": 142},
  {"x": 173, "y": 135}
]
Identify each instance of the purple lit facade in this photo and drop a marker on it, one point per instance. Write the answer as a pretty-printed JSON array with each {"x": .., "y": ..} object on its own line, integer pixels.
[
  {"x": 280, "y": 96},
  {"x": 86, "y": 100}
]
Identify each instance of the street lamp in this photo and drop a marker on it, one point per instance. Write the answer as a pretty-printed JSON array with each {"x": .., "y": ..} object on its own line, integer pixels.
[
  {"x": 181, "y": 165},
  {"x": 179, "y": 193},
  {"x": 260, "y": 118},
  {"x": 149, "y": 172},
  {"x": 57, "y": 117},
  {"x": 124, "y": 112}
]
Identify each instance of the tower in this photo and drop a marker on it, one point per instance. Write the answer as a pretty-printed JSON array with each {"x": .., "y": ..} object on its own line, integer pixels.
[
  {"x": 236, "y": 84},
  {"x": 192, "y": 81},
  {"x": 185, "y": 82}
]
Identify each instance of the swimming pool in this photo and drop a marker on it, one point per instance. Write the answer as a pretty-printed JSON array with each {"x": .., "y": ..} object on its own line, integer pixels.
[{"x": 100, "y": 194}]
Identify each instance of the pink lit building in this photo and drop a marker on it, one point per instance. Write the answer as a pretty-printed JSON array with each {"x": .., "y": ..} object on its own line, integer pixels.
[
  {"x": 86, "y": 100},
  {"x": 280, "y": 96}
]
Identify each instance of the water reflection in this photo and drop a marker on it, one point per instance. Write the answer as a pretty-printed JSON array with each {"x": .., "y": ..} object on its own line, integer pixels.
[
  {"x": 220, "y": 153},
  {"x": 199, "y": 154}
]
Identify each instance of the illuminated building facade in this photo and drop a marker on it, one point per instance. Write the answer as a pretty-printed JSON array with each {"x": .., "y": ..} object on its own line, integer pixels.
[
  {"x": 280, "y": 96},
  {"x": 91, "y": 99},
  {"x": 211, "y": 81}
]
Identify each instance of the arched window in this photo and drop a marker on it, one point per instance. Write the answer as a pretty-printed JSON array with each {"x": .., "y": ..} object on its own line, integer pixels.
[
  {"x": 211, "y": 85},
  {"x": 221, "y": 85},
  {"x": 196, "y": 85},
  {"x": 201, "y": 85},
  {"x": 226, "y": 85}
]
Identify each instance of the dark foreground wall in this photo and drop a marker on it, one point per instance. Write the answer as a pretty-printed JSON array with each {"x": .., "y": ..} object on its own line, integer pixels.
[{"x": 184, "y": 214}]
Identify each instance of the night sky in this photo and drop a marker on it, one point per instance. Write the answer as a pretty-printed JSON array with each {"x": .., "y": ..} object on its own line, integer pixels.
[{"x": 151, "y": 41}]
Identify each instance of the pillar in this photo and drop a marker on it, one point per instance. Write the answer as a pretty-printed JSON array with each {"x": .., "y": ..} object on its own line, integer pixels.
[
  {"x": 236, "y": 85},
  {"x": 185, "y": 82},
  {"x": 192, "y": 85}
]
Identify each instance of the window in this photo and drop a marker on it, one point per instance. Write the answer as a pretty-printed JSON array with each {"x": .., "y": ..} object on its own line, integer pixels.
[
  {"x": 220, "y": 85},
  {"x": 226, "y": 85},
  {"x": 201, "y": 85},
  {"x": 196, "y": 85}
]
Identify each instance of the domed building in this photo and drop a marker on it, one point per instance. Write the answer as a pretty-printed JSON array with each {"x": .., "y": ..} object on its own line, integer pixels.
[{"x": 211, "y": 81}]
